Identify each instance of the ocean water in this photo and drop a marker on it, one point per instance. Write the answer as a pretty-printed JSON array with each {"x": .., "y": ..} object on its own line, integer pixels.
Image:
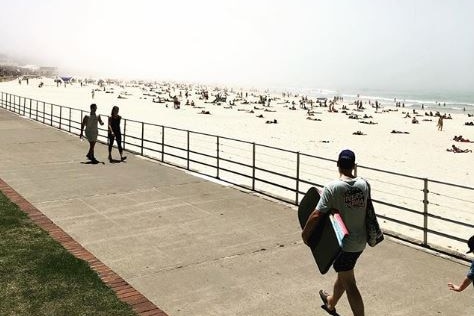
[{"x": 449, "y": 101}]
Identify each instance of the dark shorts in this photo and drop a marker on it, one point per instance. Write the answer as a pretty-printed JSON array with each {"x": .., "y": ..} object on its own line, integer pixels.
[{"x": 346, "y": 261}]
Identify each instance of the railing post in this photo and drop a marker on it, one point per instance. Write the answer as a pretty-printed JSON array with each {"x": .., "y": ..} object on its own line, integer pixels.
[
  {"x": 70, "y": 118},
  {"x": 51, "y": 117},
  {"x": 187, "y": 167},
  {"x": 60, "y": 115},
  {"x": 10, "y": 102},
  {"x": 82, "y": 119},
  {"x": 36, "y": 110},
  {"x": 253, "y": 166},
  {"x": 217, "y": 157},
  {"x": 24, "y": 106},
  {"x": 163, "y": 143},
  {"x": 143, "y": 135},
  {"x": 124, "y": 133},
  {"x": 297, "y": 177},
  {"x": 425, "y": 212},
  {"x": 44, "y": 112},
  {"x": 30, "y": 107}
]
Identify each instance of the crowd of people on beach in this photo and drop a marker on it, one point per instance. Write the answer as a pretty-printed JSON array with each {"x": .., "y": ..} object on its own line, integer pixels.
[{"x": 176, "y": 95}]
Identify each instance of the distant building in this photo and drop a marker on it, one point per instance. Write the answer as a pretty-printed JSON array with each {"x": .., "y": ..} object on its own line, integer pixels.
[{"x": 47, "y": 71}]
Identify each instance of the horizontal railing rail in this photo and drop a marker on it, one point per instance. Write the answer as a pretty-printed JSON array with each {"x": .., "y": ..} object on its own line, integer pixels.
[{"x": 409, "y": 207}]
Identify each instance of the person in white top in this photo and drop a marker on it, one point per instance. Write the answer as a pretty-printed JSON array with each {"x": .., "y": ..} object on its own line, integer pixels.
[{"x": 90, "y": 123}]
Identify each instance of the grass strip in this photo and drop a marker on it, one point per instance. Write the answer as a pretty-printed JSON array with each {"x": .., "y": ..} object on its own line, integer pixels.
[{"x": 40, "y": 277}]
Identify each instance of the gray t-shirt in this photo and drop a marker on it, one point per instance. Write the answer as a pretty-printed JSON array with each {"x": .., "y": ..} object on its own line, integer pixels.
[{"x": 349, "y": 197}]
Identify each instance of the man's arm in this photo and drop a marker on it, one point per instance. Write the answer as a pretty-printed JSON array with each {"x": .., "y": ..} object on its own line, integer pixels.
[
  {"x": 465, "y": 283},
  {"x": 311, "y": 223},
  {"x": 83, "y": 124}
]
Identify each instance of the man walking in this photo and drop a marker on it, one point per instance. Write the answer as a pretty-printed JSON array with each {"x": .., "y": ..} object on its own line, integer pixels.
[
  {"x": 90, "y": 123},
  {"x": 348, "y": 195}
]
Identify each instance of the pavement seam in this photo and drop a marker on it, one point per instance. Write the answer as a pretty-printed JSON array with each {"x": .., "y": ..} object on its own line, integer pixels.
[
  {"x": 222, "y": 258},
  {"x": 139, "y": 303}
]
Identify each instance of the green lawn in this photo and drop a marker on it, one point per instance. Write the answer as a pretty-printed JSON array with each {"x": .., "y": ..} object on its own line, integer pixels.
[{"x": 39, "y": 277}]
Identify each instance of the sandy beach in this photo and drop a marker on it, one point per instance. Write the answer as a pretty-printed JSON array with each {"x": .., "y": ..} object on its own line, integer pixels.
[{"x": 418, "y": 150}]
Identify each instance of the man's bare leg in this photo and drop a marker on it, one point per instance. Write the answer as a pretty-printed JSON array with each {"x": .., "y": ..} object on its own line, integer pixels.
[
  {"x": 348, "y": 282},
  {"x": 338, "y": 291}
]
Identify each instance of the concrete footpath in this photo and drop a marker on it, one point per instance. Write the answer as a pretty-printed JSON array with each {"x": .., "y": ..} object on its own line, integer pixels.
[{"x": 196, "y": 247}]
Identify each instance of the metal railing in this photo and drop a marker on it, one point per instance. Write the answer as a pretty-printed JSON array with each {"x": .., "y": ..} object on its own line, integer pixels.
[{"x": 410, "y": 208}]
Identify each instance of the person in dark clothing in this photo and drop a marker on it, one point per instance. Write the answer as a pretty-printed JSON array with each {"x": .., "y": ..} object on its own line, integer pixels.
[{"x": 115, "y": 133}]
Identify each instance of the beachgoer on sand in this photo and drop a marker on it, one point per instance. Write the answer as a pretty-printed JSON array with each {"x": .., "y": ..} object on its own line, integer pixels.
[
  {"x": 115, "y": 133},
  {"x": 455, "y": 149},
  {"x": 349, "y": 195},
  {"x": 440, "y": 123},
  {"x": 90, "y": 123},
  {"x": 470, "y": 274}
]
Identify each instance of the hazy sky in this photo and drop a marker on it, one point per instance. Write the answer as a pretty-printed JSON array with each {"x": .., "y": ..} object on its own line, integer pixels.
[{"x": 333, "y": 44}]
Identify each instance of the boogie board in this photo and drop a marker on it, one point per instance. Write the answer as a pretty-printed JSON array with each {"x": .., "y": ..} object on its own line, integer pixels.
[{"x": 326, "y": 241}]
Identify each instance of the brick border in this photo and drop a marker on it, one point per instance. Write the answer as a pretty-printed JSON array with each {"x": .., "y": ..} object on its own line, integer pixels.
[{"x": 124, "y": 291}]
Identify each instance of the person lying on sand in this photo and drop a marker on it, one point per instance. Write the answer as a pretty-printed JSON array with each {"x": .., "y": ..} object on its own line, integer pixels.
[
  {"x": 260, "y": 116},
  {"x": 461, "y": 139},
  {"x": 272, "y": 122},
  {"x": 313, "y": 118},
  {"x": 267, "y": 110},
  {"x": 358, "y": 133},
  {"x": 369, "y": 122},
  {"x": 398, "y": 132},
  {"x": 469, "y": 123},
  {"x": 458, "y": 150},
  {"x": 204, "y": 112}
]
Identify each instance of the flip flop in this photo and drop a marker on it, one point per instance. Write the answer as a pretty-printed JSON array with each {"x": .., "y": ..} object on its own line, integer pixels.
[{"x": 324, "y": 297}]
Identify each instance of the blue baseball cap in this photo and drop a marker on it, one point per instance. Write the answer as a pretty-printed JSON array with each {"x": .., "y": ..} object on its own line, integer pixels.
[{"x": 346, "y": 159}]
